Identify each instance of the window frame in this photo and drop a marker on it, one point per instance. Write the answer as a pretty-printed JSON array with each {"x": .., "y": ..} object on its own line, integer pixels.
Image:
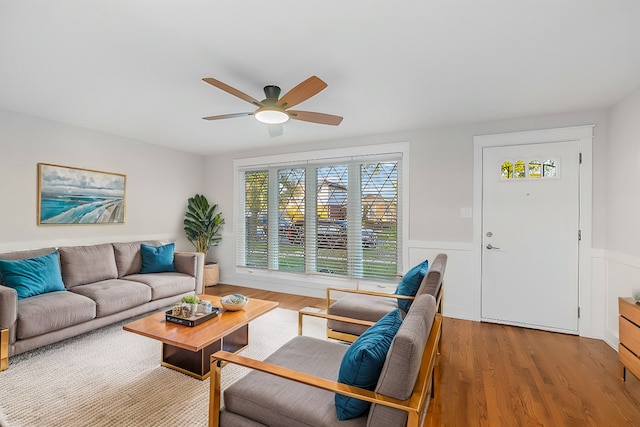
[{"x": 370, "y": 153}]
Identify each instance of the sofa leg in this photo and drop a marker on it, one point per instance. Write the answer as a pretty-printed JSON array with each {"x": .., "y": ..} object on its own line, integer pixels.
[{"x": 4, "y": 349}]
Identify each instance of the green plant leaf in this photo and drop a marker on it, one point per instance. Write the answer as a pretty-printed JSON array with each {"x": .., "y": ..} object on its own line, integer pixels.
[{"x": 202, "y": 223}]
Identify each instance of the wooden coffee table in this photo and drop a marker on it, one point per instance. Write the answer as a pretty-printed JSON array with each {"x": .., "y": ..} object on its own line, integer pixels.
[{"x": 188, "y": 349}]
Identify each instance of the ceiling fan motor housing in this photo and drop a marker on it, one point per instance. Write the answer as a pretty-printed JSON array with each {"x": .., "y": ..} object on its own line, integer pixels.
[{"x": 272, "y": 93}]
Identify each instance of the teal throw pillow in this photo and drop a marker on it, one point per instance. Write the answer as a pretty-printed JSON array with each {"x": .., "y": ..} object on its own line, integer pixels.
[
  {"x": 362, "y": 363},
  {"x": 32, "y": 276},
  {"x": 157, "y": 259},
  {"x": 410, "y": 283}
]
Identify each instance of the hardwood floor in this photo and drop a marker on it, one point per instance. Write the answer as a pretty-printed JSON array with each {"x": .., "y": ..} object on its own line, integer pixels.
[{"x": 497, "y": 375}]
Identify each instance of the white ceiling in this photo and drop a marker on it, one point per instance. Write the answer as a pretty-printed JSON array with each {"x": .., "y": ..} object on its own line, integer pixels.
[{"x": 133, "y": 68}]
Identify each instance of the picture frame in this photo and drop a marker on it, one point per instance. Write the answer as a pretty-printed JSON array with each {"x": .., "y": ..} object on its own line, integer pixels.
[{"x": 71, "y": 195}]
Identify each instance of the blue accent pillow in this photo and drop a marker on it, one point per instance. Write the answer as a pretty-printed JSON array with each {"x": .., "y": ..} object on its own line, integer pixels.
[
  {"x": 157, "y": 259},
  {"x": 32, "y": 276},
  {"x": 362, "y": 363},
  {"x": 410, "y": 283}
]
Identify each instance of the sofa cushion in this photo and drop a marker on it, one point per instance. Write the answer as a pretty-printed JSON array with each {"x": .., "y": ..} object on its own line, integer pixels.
[
  {"x": 157, "y": 259},
  {"x": 32, "y": 276},
  {"x": 128, "y": 258},
  {"x": 401, "y": 368},
  {"x": 52, "y": 311},
  {"x": 114, "y": 295},
  {"x": 87, "y": 264},
  {"x": 363, "y": 361},
  {"x": 25, "y": 254},
  {"x": 410, "y": 283},
  {"x": 359, "y": 306},
  {"x": 274, "y": 401},
  {"x": 165, "y": 284}
]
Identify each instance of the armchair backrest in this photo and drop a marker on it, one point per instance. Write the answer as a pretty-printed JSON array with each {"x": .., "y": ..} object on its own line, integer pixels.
[
  {"x": 403, "y": 363},
  {"x": 432, "y": 281}
]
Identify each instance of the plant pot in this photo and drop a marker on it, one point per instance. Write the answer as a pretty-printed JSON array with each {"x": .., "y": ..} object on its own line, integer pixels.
[{"x": 211, "y": 274}]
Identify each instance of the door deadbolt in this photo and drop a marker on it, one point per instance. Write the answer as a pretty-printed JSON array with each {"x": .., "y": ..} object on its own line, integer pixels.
[{"x": 489, "y": 234}]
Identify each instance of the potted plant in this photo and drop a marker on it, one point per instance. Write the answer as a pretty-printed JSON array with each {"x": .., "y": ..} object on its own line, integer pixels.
[
  {"x": 192, "y": 301},
  {"x": 201, "y": 225}
]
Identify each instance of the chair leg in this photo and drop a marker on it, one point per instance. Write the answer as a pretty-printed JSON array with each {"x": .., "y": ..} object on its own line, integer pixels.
[{"x": 214, "y": 394}]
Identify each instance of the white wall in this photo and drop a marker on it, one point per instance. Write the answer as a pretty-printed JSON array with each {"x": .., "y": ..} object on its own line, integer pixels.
[
  {"x": 619, "y": 265},
  {"x": 159, "y": 182},
  {"x": 441, "y": 183}
]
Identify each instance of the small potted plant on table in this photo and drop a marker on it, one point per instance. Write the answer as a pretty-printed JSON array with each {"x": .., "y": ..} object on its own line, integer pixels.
[{"x": 192, "y": 301}]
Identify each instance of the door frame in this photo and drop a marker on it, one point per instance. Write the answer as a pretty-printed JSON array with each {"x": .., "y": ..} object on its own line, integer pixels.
[{"x": 583, "y": 134}]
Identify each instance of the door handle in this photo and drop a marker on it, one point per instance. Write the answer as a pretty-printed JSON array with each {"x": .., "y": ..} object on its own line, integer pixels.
[{"x": 490, "y": 246}]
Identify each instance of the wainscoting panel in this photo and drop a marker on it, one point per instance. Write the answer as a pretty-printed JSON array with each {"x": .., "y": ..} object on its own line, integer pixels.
[
  {"x": 622, "y": 276},
  {"x": 459, "y": 296}
]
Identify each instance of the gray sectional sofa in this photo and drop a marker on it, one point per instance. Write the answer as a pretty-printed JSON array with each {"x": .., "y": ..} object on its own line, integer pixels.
[{"x": 103, "y": 285}]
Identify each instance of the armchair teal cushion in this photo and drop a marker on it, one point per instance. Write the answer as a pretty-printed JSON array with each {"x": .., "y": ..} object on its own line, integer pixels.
[
  {"x": 410, "y": 283},
  {"x": 33, "y": 276},
  {"x": 157, "y": 259},
  {"x": 362, "y": 363}
]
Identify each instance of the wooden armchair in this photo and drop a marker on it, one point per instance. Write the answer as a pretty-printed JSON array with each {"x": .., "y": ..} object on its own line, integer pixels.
[
  {"x": 296, "y": 385},
  {"x": 371, "y": 306}
]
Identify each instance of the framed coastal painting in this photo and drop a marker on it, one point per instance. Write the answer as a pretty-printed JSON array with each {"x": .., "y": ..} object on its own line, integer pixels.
[{"x": 68, "y": 195}]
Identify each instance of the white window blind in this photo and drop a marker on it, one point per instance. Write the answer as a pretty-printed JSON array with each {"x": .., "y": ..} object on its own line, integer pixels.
[{"x": 332, "y": 216}]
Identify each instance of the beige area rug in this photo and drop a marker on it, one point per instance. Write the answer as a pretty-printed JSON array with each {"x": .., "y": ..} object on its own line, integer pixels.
[{"x": 110, "y": 377}]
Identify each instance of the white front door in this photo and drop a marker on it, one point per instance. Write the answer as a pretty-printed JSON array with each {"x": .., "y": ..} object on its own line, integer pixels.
[{"x": 530, "y": 232}]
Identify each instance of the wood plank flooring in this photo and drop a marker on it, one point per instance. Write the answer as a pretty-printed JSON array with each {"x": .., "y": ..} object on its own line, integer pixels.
[{"x": 497, "y": 375}]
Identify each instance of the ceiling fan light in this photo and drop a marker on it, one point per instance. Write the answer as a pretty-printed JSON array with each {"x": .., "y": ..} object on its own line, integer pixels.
[{"x": 271, "y": 117}]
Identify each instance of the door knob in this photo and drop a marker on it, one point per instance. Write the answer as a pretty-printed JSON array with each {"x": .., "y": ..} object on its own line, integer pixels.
[{"x": 490, "y": 246}]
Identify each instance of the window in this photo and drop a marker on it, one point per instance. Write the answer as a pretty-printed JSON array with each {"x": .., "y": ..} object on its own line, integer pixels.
[
  {"x": 549, "y": 168},
  {"x": 531, "y": 169},
  {"x": 334, "y": 216},
  {"x": 518, "y": 169},
  {"x": 534, "y": 169},
  {"x": 507, "y": 170}
]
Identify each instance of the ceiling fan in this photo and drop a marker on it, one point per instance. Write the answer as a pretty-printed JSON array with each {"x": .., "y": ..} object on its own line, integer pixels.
[{"x": 274, "y": 110}]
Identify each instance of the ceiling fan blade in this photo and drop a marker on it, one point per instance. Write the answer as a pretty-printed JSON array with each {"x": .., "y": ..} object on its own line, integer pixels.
[
  {"x": 233, "y": 91},
  {"x": 275, "y": 130},
  {"x": 227, "y": 116},
  {"x": 310, "y": 116},
  {"x": 302, "y": 92}
]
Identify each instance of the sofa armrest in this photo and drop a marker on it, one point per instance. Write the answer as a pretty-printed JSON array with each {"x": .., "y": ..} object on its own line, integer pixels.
[
  {"x": 9, "y": 311},
  {"x": 191, "y": 263}
]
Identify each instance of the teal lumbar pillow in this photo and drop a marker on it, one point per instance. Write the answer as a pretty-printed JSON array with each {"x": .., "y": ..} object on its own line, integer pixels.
[
  {"x": 362, "y": 363},
  {"x": 32, "y": 276},
  {"x": 157, "y": 259},
  {"x": 410, "y": 283}
]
